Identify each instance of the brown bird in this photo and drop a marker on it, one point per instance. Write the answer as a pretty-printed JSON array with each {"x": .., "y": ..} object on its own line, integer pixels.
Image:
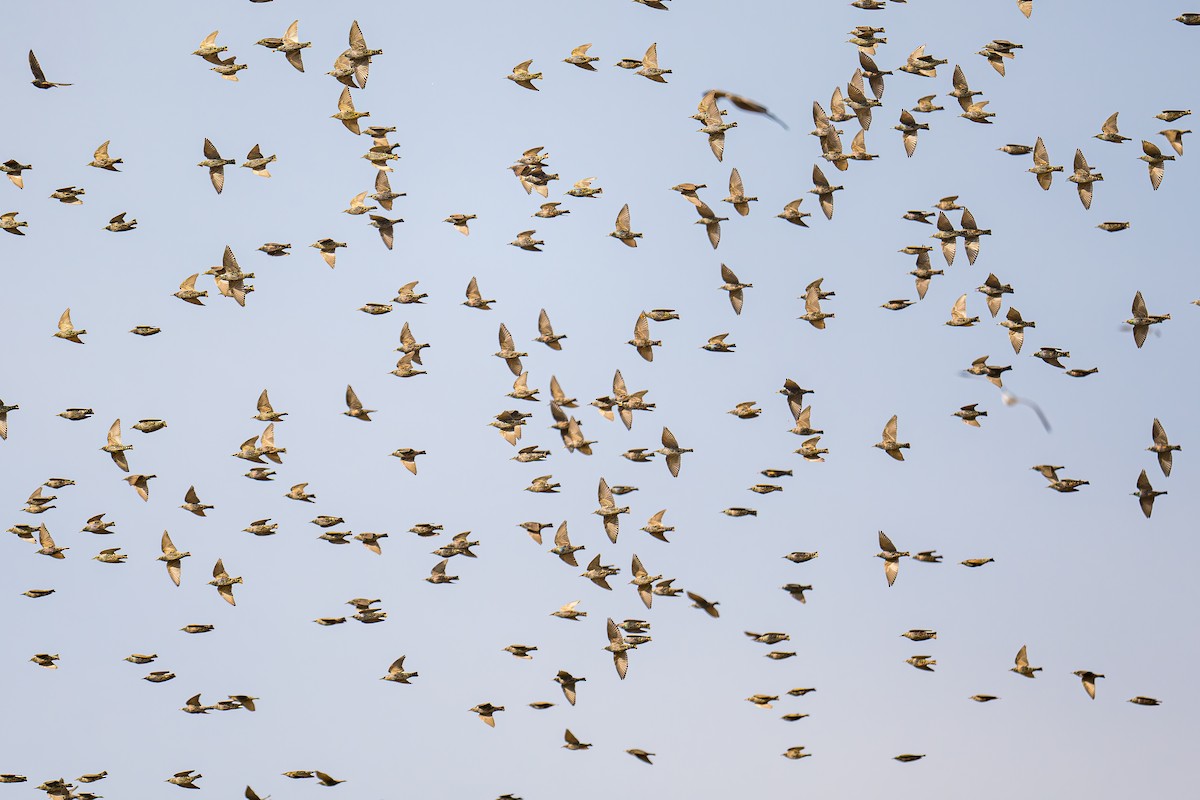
[{"x": 39, "y": 77}]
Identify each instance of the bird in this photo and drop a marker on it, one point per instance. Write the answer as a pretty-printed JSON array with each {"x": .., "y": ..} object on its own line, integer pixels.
[
  {"x": 649, "y": 67},
  {"x": 459, "y": 221},
  {"x": 993, "y": 373},
  {"x": 39, "y": 77},
  {"x": 521, "y": 75},
  {"x": 140, "y": 483},
  {"x": 1109, "y": 132},
  {"x": 643, "y": 581},
  {"x": 640, "y": 755},
  {"x": 1145, "y": 494},
  {"x": 187, "y": 778},
  {"x": 191, "y": 502},
  {"x": 568, "y": 683},
  {"x": 227, "y": 68},
  {"x": 889, "y": 444},
  {"x": 508, "y": 351},
  {"x": 67, "y": 330},
  {"x": 102, "y": 160},
  {"x": 923, "y": 663},
  {"x": 619, "y": 648},
  {"x": 223, "y": 582},
  {"x": 1016, "y": 326},
  {"x": 1022, "y": 664},
  {"x": 672, "y": 451},
  {"x": 46, "y": 545},
  {"x": 291, "y": 46},
  {"x": 1089, "y": 681},
  {"x": 438, "y": 573},
  {"x": 215, "y": 165},
  {"x": 257, "y": 163},
  {"x": 118, "y": 224},
  {"x": 623, "y": 233},
  {"x": 209, "y": 49},
  {"x": 172, "y": 558},
  {"x": 1083, "y": 178},
  {"x": 1010, "y": 399},
  {"x": 891, "y": 557},
  {"x": 813, "y": 314},
  {"x": 68, "y": 195},
  {"x": 573, "y": 742},
  {"x": 355, "y": 408},
  {"x": 708, "y": 607},
  {"x": 1174, "y": 137},
  {"x": 1162, "y": 448},
  {"x": 970, "y": 414},
  {"x": 823, "y": 191},
  {"x": 1154, "y": 160},
  {"x": 737, "y": 194},
  {"x": 962, "y": 91},
  {"x": 734, "y": 287},
  {"x": 970, "y": 234},
  {"x": 358, "y": 55},
  {"x": 385, "y": 227},
  {"x": 919, "y": 634},
  {"x": 347, "y": 114},
  {"x": 994, "y": 291},
  {"x": 1141, "y": 320},
  {"x": 580, "y": 58},
  {"x": 908, "y": 128}
]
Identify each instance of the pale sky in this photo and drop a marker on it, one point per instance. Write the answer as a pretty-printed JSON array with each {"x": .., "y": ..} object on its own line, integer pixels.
[{"x": 1084, "y": 580}]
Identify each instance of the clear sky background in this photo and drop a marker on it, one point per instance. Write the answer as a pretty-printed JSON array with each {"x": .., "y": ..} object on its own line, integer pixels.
[{"x": 1083, "y": 579}]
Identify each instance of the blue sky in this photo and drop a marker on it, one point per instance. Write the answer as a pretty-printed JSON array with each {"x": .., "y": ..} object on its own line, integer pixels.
[{"x": 1083, "y": 579}]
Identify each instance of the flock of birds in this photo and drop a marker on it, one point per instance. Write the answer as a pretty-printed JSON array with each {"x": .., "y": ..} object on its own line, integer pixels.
[{"x": 863, "y": 94}]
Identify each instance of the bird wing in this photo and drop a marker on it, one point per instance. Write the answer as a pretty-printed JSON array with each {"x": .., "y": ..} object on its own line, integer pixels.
[
  {"x": 356, "y": 36},
  {"x": 819, "y": 178},
  {"x": 651, "y": 58},
  {"x": 1159, "y": 434},
  {"x": 36, "y": 68},
  {"x": 668, "y": 439},
  {"x": 885, "y": 543},
  {"x": 1139, "y": 306},
  {"x": 623, "y": 218},
  {"x": 605, "y": 494}
]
